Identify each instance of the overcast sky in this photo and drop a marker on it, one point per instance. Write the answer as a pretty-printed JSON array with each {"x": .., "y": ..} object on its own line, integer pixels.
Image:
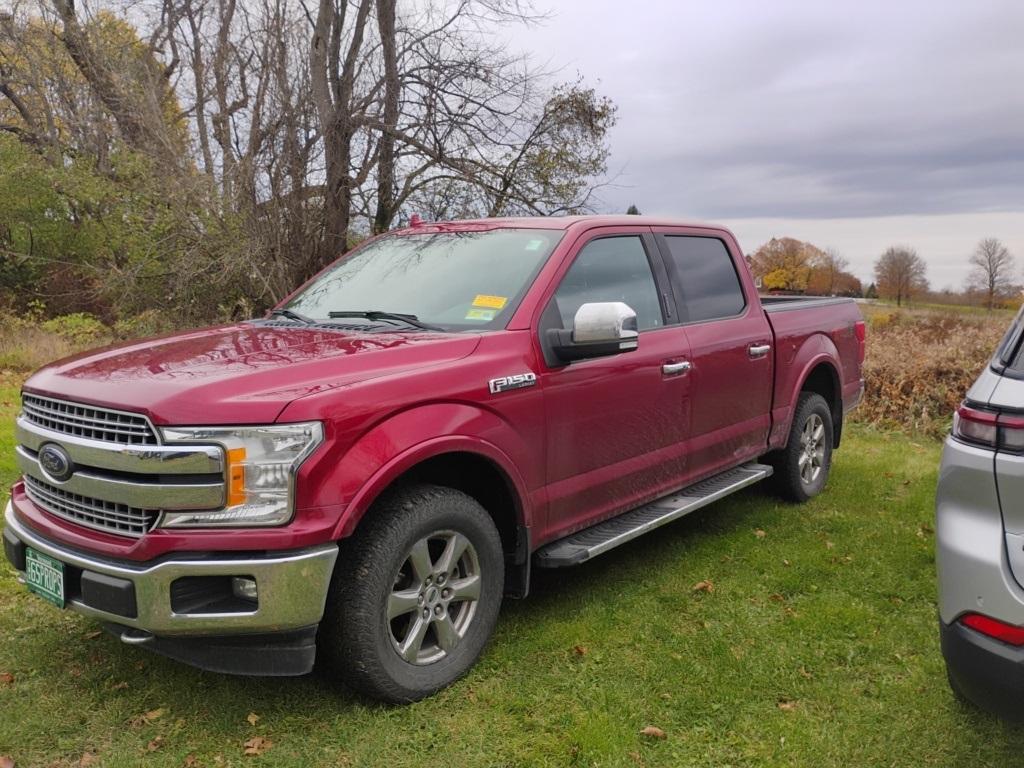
[{"x": 853, "y": 125}]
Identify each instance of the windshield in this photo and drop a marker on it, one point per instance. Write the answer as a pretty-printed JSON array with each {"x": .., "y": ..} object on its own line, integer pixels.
[{"x": 454, "y": 280}]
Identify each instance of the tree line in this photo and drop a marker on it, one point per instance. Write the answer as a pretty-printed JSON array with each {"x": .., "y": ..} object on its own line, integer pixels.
[
  {"x": 205, "y": 156},
  {"x": 900, "y": 273}
]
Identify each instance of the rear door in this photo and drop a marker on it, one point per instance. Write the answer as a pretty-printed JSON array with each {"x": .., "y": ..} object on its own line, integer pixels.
[
  {"x": 730, "y": 349},
  {"x": 616, "y": 425}
]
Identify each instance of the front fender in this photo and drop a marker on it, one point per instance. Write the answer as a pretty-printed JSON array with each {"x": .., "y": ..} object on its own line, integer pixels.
[{"x": 402, "y": 441}]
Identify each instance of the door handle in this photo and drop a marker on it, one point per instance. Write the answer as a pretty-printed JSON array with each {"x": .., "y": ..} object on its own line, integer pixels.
[
  {"x": 670, "y": 369},
  {"x": 758, "y": 350}
]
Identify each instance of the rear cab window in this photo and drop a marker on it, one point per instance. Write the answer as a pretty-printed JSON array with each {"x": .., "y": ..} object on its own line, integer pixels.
[{"x": 705, "y": 277}]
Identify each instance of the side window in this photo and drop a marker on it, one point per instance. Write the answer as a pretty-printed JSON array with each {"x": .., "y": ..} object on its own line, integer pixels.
[
  {"x": 611, "y": 269},
  {"x": 705, "y": 272}
]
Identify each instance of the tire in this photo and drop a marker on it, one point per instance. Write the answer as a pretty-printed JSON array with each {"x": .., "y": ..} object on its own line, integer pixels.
[
  {"x": 802, "y": 467},
  {"x": 400, "y": 563}
]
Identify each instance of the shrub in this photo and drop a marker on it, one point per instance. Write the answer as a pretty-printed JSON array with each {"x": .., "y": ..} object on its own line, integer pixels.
[{"x": 920, "y": 365}]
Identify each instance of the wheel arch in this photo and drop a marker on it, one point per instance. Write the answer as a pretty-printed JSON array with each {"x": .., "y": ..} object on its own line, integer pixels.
[
  {"x": 473, "y": 466},
  {"x": 822, "y": 378}
]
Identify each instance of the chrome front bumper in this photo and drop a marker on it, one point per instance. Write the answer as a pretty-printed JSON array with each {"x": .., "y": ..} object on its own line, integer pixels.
[{"x": 292, "y": 588}]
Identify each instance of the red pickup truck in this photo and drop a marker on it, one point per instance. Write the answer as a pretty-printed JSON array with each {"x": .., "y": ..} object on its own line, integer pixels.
[{"x": 366, "y": 471}]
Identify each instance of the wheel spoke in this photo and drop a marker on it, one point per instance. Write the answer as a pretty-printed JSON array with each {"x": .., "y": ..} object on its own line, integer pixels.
[
  {"x": 409, "y": 648},
  {"x": 447, "y": 637},
  {"x": 453, "y": 550},
  {"x": 802, "y": 462},
  {"x": 403, "y": 601},
  {"x": 464, "y": 589},
  {"x": 419, "y": 559},
  {"x": 819, "y": 433}
]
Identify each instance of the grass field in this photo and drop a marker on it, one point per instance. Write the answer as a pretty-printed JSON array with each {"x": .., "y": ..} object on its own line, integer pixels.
[{"x": 816, "y": 645}]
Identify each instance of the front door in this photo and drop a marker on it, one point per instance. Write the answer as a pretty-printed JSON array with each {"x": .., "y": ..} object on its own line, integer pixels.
[{"x": 615, "y": 425}]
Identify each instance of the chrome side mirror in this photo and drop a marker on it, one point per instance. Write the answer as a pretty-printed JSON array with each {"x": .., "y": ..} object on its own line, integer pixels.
[{"x": 598, "y": 330}]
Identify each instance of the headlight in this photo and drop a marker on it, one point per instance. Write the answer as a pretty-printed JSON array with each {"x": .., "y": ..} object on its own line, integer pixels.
[{"x": 260, "y": 464}]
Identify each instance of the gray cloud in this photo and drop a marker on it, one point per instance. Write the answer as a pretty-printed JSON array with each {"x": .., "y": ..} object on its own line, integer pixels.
[{"x": 804, "y": 109}]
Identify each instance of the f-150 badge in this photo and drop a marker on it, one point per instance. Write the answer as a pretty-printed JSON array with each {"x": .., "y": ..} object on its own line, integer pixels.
[{"x": 515, "y": 381}]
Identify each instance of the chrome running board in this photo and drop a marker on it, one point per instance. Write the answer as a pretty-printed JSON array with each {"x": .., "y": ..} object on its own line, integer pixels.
[{"x": 598, "y": 539}]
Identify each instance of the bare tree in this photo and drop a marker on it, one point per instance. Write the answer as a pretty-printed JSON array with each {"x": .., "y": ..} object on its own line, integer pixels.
[
  {"x": 992, "y": 270},
  {"x": 900, "y": 273},
  {"x": 284, "y": 131}
]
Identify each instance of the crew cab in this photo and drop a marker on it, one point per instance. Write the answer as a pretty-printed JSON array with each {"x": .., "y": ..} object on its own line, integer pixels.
[{"x": 365, "y": 472}]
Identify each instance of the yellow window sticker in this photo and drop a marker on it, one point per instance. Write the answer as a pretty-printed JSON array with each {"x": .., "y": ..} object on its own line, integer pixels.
[
  {"x": 481, "y": 314},
  {"x": 491, "y": 302}
]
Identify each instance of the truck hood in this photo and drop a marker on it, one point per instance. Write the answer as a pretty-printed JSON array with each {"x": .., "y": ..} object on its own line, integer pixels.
[{"x": 238, "y": 374}]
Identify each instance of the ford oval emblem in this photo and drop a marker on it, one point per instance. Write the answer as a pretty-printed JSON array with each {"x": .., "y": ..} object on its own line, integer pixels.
[{"x": 56, "y": 463}]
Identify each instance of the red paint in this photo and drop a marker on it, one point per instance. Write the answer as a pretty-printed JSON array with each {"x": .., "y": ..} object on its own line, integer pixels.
[{"x": 588, "y": 441}]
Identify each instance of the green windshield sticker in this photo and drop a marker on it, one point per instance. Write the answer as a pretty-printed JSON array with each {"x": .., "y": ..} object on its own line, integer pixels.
[{"x": 481, "y": 314}]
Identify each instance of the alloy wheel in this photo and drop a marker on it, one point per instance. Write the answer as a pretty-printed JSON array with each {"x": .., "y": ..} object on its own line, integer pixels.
[{"x": 434, "y": 598}]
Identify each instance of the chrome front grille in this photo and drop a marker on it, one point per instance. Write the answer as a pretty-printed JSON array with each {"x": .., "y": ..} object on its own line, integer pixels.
[
  {"x": 95, "y": 513},
  {"x": 87, "y": 421},
  {"x": 120, "y": 477}
]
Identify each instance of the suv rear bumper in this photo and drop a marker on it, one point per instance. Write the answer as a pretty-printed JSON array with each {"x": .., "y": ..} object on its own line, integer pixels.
[
  {"x": 987, "y": 672},
  {"x": 135, "y": 599}
]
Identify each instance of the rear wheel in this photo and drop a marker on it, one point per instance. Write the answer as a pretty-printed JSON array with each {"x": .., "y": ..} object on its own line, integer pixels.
[
  {"x": 415, "y": 595},
  {"x": 802, "y": 466}
]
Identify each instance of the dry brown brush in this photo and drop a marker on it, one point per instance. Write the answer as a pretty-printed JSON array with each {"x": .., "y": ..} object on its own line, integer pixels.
[{"x": 919, "y": 365}]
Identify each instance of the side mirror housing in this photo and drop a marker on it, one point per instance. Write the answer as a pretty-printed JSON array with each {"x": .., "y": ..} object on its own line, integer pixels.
[{"x": 598, "y": 330}]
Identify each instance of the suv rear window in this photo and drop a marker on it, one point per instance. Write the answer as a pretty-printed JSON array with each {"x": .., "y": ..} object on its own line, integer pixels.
[
  {"x": 1010, "y": 352},
  {"x": 707, "y": 277}
]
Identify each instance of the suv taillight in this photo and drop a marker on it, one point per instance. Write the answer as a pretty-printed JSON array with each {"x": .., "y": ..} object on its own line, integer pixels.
[
  {"x": 989, "y": 428},
  {"x": 860, "y": 330},
  {"x": 1008, "y": 633}
]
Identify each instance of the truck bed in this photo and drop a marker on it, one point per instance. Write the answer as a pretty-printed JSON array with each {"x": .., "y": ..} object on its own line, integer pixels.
[{"x": 775, "y": 304}]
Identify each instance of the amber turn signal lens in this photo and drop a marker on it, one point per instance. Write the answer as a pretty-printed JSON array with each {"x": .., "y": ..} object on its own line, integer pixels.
[{"x": 236, "y": 476}]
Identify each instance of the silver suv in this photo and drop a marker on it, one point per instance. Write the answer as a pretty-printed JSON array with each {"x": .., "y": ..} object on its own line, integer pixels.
[{"x": 979, "y": 512}]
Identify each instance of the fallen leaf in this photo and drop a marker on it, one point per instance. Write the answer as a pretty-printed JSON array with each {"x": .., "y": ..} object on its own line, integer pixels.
[
  {"x": 786, "y": 705},
  {"x": 119, "y": 686},
  {"x": 786, "y": 563},
  {"x": 6, "y": 761},
  {"x": 257, "y": 745},
  {"x": 191, "y": 761},
  {"x": 704, "y": 586},
  {"x": 777, "y": 598},
  {"x": 829, "y": 545},
  {"x": 579, "y": 650},
  {"x": 147, "y": 718},
  {"x": 653, "y": 732},
  {"x": 760, "y": 534},
  {"x": 805, "y": 674},
  {"x": 253, "y": 718},
  {"x": 155, "y": 744},
  {"x": 93, "y": 635},
  {"x": 6, "y": 678},
  {"x": 87, "y": 759}
]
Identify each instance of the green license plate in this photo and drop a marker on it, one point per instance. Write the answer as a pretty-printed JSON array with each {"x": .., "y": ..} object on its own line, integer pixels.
[{"x": 45, "y": 576}]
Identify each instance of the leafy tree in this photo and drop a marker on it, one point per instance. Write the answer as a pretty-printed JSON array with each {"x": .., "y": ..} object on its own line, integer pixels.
[
  {"x": 632, "y": 211},
  {"x": 900, "y": 273},
  {"x": 785, "y": 264},
  {"x": 992, "y": 270},
  {"x": 871, "y": 292}
]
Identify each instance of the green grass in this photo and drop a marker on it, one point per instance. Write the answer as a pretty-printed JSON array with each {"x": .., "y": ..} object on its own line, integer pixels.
[{"x": 816, "y": 647}]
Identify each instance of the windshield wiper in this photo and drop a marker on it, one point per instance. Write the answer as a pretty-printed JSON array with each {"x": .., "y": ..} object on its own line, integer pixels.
[
  {"x": 292, "y": 315},
  {"x": 375, "y": 314}
]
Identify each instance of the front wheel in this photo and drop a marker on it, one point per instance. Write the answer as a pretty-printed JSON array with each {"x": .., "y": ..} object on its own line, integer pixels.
[
  {"x": 415, "y": 595},
  {"x": 802, "y": 466}
]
